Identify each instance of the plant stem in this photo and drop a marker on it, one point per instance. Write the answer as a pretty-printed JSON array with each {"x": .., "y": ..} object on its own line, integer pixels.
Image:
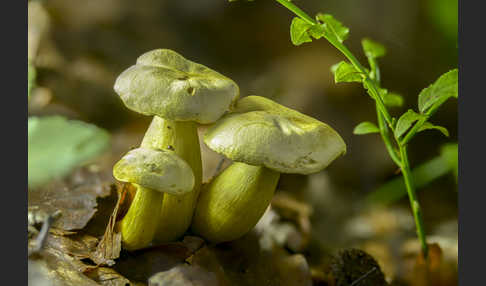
[
  {"x": 385, "y": 136},
  {"x": 384, "y": 131},
  {"x": 412, "y": 196},
  {"x": 401, "y": 161},
  {"x": 297, "y": 11},
  {"x": 177, "y": 211},
  {"x": 385, "y": 122}
]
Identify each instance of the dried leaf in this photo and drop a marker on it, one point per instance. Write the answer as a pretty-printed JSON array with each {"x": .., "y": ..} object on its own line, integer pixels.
[
  {"x": 78, "y": 246},
  {"x": 98, "y": 223},
  {"x": 75, "y": 197},
  {"x": 61, "y": 262},
  {"x": 110, "y": 245},
  {"x": 108, "y": 277},
  {"x": 54, "y": 267}
]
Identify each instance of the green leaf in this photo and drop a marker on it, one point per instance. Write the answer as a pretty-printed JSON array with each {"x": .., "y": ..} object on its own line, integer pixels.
[
  {"x": 31, "y": 74},
  {"x": 317, "y": 31},
  {"x": 333, "y": 29},
  {"x": 301, "y": 31},
  {"x": 373, "y": 49},
  {"x": 428, "y": 126},
  {"x": 346, "y": 72},
  {"x": 365, "y": 128},
  {"x": 392, "y": 99},
  {"x": 57, "y": 145},
  {"x": 442, "y": 89},
  {"x": 406, "y": 121}
]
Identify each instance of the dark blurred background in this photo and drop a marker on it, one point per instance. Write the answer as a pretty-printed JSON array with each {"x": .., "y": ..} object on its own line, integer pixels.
[{"x": 88, "y": 43}]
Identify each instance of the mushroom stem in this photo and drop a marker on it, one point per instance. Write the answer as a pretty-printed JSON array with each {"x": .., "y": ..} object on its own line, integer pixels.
[
  {"x": 139, "y": 224},
  {"x": 234, "y": 201},
  {"x": 177, "y": 211}
]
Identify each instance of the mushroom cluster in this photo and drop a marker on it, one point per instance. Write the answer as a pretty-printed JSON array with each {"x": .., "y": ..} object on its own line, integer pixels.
[
  {"x": 260, "y": 136},
  {"x": 179, "y": 94}
]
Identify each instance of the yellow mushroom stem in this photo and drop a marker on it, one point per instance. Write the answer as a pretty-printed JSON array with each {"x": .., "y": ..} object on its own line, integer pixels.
[
  {"x": 139, "y": 224},
  {"x": 233, "y": 202},
  {"x": 176, "y": 212}
]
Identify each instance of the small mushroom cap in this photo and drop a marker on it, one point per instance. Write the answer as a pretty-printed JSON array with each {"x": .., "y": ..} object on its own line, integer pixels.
[
  {"x": 159, "y": 170},
  {"x": 265, "y": 133},
  {"x": 165, "y": 84}
]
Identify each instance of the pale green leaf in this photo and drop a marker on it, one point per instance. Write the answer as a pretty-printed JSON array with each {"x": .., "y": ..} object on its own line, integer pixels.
[
  {"x": 442, "y": 89},
  {"x": 346, "y": 72},
  {"x": 365, "y": 128},
  {"x": 430, "y": 126},
  {"x": 392, "y": 99},
  {"x": 57, "y": 145},
  {"x": 373, "y": 49},
  {"x": 333, "y": 29},
  {"x": 406, "y": 121}
]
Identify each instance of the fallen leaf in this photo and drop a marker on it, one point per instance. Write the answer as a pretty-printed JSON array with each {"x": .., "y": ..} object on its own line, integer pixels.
[
  {"x": 59, "y": 269},
  {"x": 74, "y": 196},
  {"x": 78, "y": 246},
  {"x": 108, "y": 277},
  {"x": 110, "y": 245}
]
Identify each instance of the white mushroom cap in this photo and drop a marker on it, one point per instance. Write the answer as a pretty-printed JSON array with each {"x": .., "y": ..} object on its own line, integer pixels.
[
  {"x": 265, "y": 133},
  {"x": 165, "y": 84},
  {"x": 159, "y": 170}
]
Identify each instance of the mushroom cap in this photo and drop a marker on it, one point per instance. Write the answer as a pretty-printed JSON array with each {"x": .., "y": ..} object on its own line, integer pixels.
[
  {"x": 159, "y": 170},
  {"x": 165, "y": 84},
  {"x": 264, "y": 133}
]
